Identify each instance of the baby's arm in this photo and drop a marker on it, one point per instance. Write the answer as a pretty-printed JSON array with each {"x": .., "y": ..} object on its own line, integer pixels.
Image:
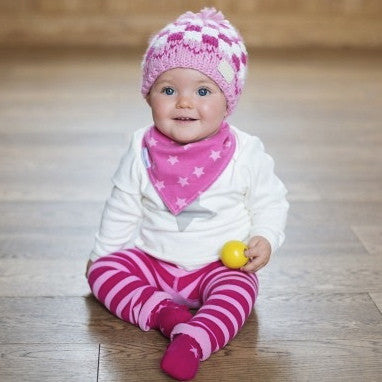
[
  {"x": 120, "y": 220},
  {"x": 268, "y": 209},
  {"x": 123, "y": 210}
]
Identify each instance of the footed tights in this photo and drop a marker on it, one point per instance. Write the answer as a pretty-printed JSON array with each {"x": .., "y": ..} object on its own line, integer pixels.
[{"x": 146, "y": 292}]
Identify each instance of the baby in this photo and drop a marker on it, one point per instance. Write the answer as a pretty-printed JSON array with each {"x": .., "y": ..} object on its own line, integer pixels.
[{"x": 185, "y": 186}]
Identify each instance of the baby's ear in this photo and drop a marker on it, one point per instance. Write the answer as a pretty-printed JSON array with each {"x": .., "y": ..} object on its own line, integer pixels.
[{"x": 147, "y": 98}]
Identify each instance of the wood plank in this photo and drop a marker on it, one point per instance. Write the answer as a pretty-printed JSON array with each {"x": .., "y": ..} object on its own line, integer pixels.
[
  {"x": 345, "y": 213},
  {"x": 300, "y": 190},
  {"x": 363, "y": 191},
  {"x": 82, "y": 320},
  {"x": 315, "y": 239},
  {"x": 38, "y": 245},
  {"x": 50, "y": 217},
  {"x": 330, "y": 317},
  {"x": 53, "y": 172},
  {"x": 44, "y": 277},
  {"x": 377, "y": 298},
  {"x": 48, "y": 362},
  {"x": 47, "y": 320},
  {"x": 251, "y": 360},
  {"x": 275, "y": 29},
  {"x": 61, "y": 191},
  {"x": 132, "y": 362},
  {"x": 371, "y": 237},
  {"x": 317, "y": 315},
  {"x": 313, "y": 271}
]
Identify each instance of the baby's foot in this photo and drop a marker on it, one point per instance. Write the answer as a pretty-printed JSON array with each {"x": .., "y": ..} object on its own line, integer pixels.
[
  {"x": 182, "y": 358},
  {"x": 168, "y": 315}
]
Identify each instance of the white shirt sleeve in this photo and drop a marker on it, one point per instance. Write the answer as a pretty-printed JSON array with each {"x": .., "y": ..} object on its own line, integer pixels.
[
  {"x": 122, "y": 212},
  {"x": 266, "y": 200}
]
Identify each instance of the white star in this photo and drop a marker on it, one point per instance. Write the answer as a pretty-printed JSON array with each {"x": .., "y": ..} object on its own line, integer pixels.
[
  {"x": 187, "y": 147},
  {"x": 181, "y": 202},
  {"x": 152, "y": 142},
  {"x": 172, "y": 159},
  {"x": 183, "y": 181},
  {"x": 192, "y": 212},
  {"x": 194, "y": 350},
  {"x": 215, "y": 155},
  {"x": 198, "y": 171},
  {"x": 159, "y": 185},
  {"x": 228, "y": 144}
]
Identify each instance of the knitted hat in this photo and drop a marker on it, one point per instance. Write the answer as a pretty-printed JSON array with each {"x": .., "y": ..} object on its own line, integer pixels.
[{"x": 204, "y": 41}]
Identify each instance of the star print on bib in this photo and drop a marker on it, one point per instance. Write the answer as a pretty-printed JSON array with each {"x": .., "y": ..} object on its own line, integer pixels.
[{"x": 181, "y": 173}]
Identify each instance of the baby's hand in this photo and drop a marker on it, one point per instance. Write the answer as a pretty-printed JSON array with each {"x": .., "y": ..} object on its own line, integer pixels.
[{"x": 259, "y": 251}]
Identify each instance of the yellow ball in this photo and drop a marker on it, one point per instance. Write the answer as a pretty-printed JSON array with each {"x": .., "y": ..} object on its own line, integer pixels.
[{"x": 232, "y": 254}]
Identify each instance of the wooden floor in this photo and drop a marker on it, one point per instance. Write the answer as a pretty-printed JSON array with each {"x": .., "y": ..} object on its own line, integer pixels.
[{"x": 65, "y": 119}]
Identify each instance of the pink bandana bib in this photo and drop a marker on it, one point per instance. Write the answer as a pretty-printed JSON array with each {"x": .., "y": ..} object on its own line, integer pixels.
[{"x": 180, "y": 173}]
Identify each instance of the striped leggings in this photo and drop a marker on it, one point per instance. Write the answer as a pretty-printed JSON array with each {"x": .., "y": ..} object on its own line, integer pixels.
[{"x": 131, "y": 284}]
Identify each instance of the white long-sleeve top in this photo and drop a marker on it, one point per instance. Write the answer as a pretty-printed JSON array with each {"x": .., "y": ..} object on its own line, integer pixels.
[{"x": 247, "y": 200}]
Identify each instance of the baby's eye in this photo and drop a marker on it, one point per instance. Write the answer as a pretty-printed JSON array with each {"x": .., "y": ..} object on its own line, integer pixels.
[
  {"x": 203, "y": 91},
  {"x": 168, "y": 91}
]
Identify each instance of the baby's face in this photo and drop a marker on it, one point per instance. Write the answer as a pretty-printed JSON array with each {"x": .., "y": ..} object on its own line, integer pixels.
[{"x": 186, "y": 105}]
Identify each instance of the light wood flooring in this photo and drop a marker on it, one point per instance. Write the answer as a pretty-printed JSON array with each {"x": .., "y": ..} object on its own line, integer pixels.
[{"x": 65, "y": 120}]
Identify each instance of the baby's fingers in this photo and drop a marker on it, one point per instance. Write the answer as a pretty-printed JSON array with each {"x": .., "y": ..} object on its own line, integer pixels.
[{"x": 253, "y": 265}]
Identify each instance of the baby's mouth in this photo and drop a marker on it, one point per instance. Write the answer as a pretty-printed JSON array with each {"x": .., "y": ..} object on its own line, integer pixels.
[{"x": 185, "y": 119}]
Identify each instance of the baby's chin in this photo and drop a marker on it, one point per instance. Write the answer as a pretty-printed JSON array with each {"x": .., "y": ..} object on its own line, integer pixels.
[
  {"x": 191, "y": 139},
  {"x": 186, "y": 139},
  {"x": 182, "y": 138},
  {"x": 184, "y": 142}
]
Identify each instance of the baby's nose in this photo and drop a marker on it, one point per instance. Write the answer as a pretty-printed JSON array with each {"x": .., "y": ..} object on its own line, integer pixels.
[{"x": 184, "y": 102}]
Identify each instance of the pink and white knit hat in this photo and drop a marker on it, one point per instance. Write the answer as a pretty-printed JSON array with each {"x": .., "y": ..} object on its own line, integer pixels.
[{"x": 204, "y": 41}]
